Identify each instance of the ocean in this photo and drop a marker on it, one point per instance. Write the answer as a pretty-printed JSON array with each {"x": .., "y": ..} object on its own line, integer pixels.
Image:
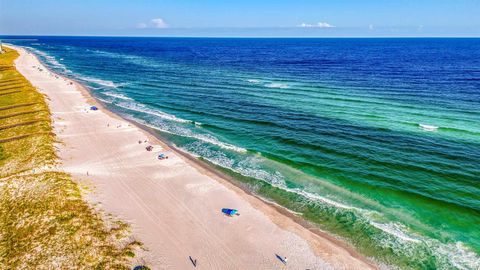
[{"x": 375, "y": 141}]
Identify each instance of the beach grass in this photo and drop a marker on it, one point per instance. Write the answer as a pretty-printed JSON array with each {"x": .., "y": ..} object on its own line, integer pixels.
[
  {"x": 26, "y": 141},
  {"x": 44, "y": 221}
]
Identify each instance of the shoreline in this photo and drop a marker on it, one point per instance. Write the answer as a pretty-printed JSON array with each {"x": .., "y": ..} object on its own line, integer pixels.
[
  {"x": 233, "y": 183},
  {"x": 223, "y": 178},
  {"x": 313, "y": 236}
]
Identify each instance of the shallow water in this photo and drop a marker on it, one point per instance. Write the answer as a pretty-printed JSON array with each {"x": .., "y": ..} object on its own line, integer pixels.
[{"x": 375, "y": 140}]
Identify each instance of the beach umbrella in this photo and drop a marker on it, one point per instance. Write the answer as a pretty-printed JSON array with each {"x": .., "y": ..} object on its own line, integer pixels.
[{"x": 93, "y": 108}]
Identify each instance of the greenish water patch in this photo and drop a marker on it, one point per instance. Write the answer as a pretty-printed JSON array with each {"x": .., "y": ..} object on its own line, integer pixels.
[{"x": 352, "y": 226}]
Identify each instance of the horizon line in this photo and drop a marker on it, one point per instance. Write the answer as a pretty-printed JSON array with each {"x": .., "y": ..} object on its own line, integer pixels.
[{"x": 263, "y": 37}]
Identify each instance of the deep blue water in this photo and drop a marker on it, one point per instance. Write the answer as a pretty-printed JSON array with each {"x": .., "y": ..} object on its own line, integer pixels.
[{"x": 375, "y": 140}]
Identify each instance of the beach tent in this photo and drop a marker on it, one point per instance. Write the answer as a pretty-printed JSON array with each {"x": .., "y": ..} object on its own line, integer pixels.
[
  {"x": 93, "y": 108},
  {"x": 162, "y": 156},
  {"x": 229, "y": 212}
]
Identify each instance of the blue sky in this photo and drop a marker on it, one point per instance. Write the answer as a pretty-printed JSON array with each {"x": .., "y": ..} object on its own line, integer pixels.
[{"x": 241, "y": 18}]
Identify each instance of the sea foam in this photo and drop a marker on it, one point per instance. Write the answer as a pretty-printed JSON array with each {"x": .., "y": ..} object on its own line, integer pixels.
[
  {"x": 104, "y": 100},
  {"x": 396, "y": 230},
  {"x": 184, "y": 132},
  {"x": 117, "y": 95},
  {"x": 144, "y": 109},
  {"x": 101, "y": 82},
  {"x": 428, "y": 127},
  {"x": 247, "y": 167},
  {"x": 277, "y": 85},
  {"x": 51, "y": 60}
]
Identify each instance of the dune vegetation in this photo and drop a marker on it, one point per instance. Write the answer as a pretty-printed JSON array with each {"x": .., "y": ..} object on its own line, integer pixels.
[{"x": 44, "y": 222}]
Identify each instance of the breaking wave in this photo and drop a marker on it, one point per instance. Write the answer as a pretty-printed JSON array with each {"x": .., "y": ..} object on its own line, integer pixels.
[
  {"x": 104, "y": 100},
  {"x": 116, "y": 95},
  {"x": 428, "y": 127},
  {"x": 101, "y": 82},
  {"x": 247, "y": 167},
  {"x": 144, "y": 109},
  {"x": 184, "y": 132},
  {"x": 50, "y": 60},
  {"x": 277, "y": 85}
]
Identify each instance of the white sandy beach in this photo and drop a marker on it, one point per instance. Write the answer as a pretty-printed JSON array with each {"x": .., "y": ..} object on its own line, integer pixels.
[{"x": 174, "y": 205}]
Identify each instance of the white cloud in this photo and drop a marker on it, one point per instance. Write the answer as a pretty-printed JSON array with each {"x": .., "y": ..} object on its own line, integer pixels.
[
  {"x": 305, "y": 25},
  {"x": 141, "y": 25},
  {"x": 318, "y": 25},
  {"x": 324, "y": 25},
  {"x": 159, "y": 23},
  {"x": 154, "y": 23}
]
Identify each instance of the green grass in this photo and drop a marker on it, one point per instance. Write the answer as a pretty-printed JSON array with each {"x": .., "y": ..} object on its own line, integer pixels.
[{"x": 44, "y": 222}]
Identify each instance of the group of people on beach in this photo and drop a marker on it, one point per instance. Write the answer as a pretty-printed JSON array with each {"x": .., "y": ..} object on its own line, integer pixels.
[{"x": 149, "y": 148}]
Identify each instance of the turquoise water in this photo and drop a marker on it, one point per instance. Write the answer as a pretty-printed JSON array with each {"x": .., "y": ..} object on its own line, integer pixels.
[{"x": 374, "y": 140}]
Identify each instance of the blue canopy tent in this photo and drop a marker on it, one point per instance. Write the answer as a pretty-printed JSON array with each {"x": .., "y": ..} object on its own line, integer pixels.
[
  {"x": 93, "y": 108},
  {"x": 229, "y": 212}
]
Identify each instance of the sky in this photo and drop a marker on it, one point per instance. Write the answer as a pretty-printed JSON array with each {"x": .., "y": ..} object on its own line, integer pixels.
[{"x": 243, "y": 18}]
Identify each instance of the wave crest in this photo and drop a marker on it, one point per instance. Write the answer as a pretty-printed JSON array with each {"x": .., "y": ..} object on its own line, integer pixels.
[
  {"x": 101, "y": 82},
  {"x": 277, "y": 85},
  {"x": 117, "y": 95},
  {"x": 144, "y": 109},
  {"x": 51, "y": 60},
  {"x": 428, "y": 127}
]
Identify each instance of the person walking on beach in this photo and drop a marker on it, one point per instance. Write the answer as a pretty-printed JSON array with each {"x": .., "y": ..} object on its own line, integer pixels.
[
  {"x": 194, "y": 261},
  {"x": 282, "y": 259}
]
